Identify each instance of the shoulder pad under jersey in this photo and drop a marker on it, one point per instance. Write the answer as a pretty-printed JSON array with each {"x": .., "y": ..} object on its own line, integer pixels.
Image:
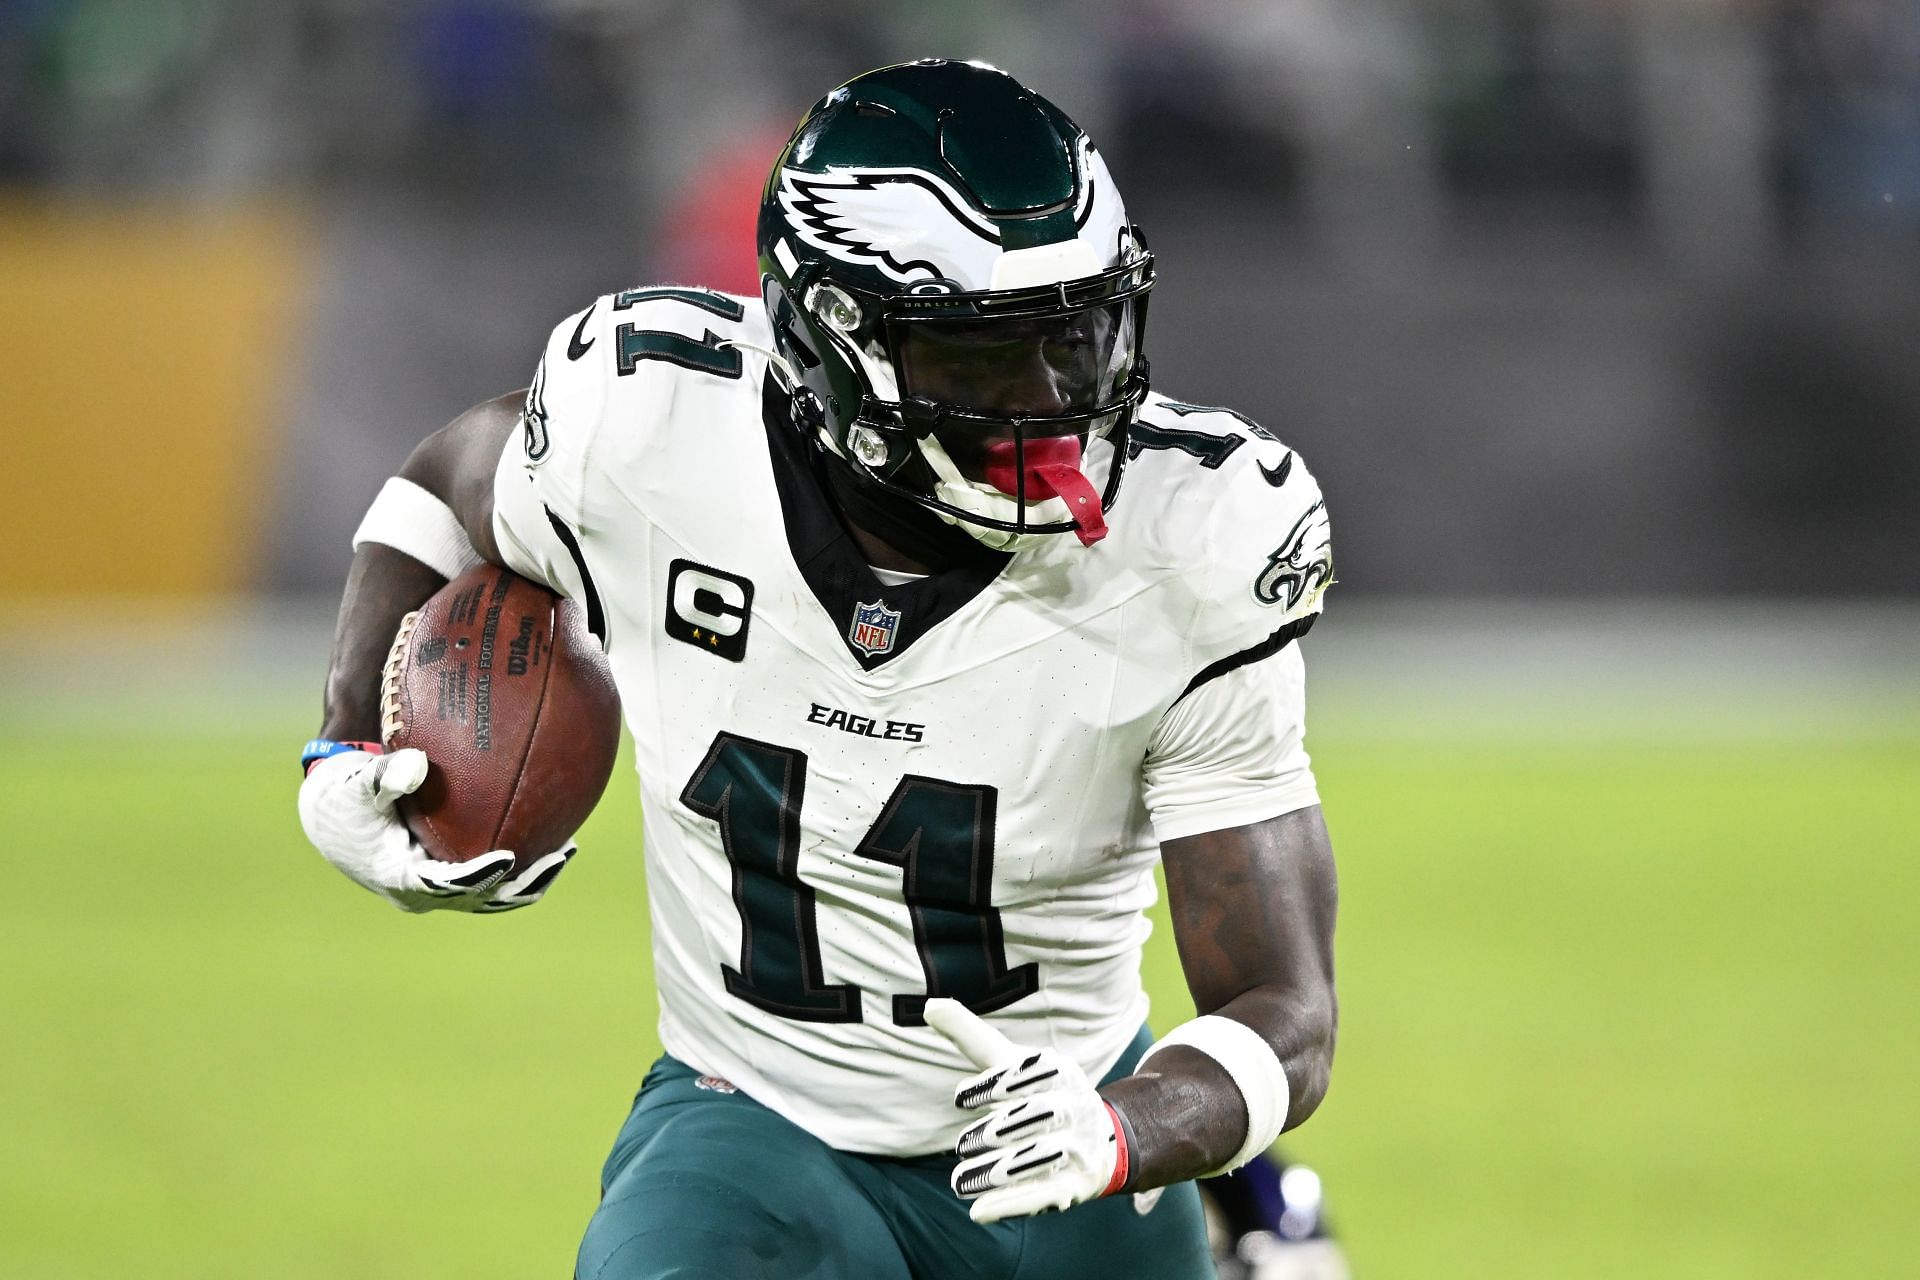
[
  {"x": 634, "y": 344},
  {"x": 1254, "y": 542}
]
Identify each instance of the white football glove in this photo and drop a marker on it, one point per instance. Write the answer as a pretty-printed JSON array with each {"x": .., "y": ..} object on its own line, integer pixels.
[
  {"x": 1050, "y": 1141},
  {"x": 346, "y": 806}
]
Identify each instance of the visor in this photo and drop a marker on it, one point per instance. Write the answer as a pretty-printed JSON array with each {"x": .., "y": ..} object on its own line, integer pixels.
[{"x": 1018, "y": 368}]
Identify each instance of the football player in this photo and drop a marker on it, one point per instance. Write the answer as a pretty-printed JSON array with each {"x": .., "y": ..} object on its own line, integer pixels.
[{"x": 936, "y": 629}]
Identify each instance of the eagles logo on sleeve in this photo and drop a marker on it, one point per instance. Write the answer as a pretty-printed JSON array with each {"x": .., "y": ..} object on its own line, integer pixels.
[
  {"x": 533, "y": 419},
  {"x": 1302, "y": 566}
]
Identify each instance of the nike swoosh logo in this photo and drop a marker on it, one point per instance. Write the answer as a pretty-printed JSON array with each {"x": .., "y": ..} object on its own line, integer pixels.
[
  {"x": 1277, "y": 476},
  {"x": 577, "y": 348}
]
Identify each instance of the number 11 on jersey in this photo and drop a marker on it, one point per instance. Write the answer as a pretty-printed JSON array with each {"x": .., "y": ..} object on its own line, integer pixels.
[{"x": 940, "y": 834}]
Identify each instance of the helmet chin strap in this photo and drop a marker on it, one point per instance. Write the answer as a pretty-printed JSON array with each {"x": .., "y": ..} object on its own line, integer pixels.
[
  {"x": 1051, "y": 477},
  {"x": 788, "y": 379},
  {"x": 903, "y": 525}
]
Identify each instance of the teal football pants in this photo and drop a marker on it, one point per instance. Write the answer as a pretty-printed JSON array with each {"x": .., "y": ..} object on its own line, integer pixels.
[{"x": 707, "y": 1184}]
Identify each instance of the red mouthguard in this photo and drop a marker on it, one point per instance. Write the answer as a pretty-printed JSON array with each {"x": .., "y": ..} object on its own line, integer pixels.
[{"x": 1053, "y": 471}]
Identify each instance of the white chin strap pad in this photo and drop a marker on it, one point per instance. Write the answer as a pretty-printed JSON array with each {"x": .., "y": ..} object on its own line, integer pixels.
[{"x": 985, "y": 501}]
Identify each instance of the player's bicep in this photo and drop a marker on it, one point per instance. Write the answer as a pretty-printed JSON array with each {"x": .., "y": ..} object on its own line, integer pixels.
[
  {"x": 457, "y": 465},
  {"x": 1232, "y": 751}
]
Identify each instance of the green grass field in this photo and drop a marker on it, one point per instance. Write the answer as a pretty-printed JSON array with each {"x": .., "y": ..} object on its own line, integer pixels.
[{"x": 1609, "y": 1010}]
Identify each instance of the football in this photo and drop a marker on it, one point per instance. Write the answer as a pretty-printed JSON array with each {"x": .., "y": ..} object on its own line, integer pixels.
[{"x": 499, "y": 681}]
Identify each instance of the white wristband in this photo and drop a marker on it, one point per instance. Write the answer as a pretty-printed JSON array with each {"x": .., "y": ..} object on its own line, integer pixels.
[
  {"x": 1254, "y": 1068},
  {"x": 409, "y": 519}
]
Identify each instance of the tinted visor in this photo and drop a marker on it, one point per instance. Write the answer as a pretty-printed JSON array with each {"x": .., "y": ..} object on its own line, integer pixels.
[{"x": 1031, "y": 367}]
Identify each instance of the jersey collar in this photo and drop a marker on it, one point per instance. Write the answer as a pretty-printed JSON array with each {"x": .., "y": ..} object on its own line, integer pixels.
[{"x": 876, "y": 623}]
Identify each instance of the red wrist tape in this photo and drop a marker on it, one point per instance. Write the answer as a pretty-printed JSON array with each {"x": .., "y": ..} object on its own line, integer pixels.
[{"x": 1120, "y": 1170}]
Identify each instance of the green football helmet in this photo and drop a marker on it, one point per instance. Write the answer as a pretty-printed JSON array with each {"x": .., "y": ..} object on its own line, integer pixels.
[{"x": 959, "y": 299}]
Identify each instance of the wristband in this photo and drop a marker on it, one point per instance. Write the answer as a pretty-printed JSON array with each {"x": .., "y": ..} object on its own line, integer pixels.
[
  {"x": 413, "y": 521},
  {"x": 1120, "y": 1153},
  {"x": 1253, "y": 1066},
  {"x": 320, "y": 748}
]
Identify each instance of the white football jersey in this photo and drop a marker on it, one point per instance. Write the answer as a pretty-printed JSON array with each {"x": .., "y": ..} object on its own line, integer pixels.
[{"x": 858, "y": 796}]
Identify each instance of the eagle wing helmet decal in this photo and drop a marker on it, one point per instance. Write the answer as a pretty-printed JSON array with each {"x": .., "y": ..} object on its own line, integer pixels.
[
  {"x": 1303, "y": 566},
  {"x": 885, "y": 218}
]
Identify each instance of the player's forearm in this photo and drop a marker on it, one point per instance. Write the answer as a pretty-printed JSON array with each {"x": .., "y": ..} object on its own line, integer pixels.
[
  {"x": 1253, "y": 915},
  {"x": 1185, "y": 1116},
  {"x": 383, "y": 586}
]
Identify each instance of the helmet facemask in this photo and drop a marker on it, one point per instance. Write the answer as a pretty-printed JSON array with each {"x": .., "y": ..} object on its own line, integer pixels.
[{"x": 1004, "y": 412}]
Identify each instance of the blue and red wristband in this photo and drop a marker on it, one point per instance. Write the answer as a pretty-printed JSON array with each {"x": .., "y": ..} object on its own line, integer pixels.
[{"x": 320, "y": 748}]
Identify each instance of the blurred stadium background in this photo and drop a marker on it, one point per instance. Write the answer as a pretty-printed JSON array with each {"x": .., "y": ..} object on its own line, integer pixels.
[{"x": 1597, "y": 318}]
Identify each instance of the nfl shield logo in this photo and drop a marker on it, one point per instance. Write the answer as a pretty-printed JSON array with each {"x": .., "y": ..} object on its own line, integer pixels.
[{"x": 874, "y": 626}]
